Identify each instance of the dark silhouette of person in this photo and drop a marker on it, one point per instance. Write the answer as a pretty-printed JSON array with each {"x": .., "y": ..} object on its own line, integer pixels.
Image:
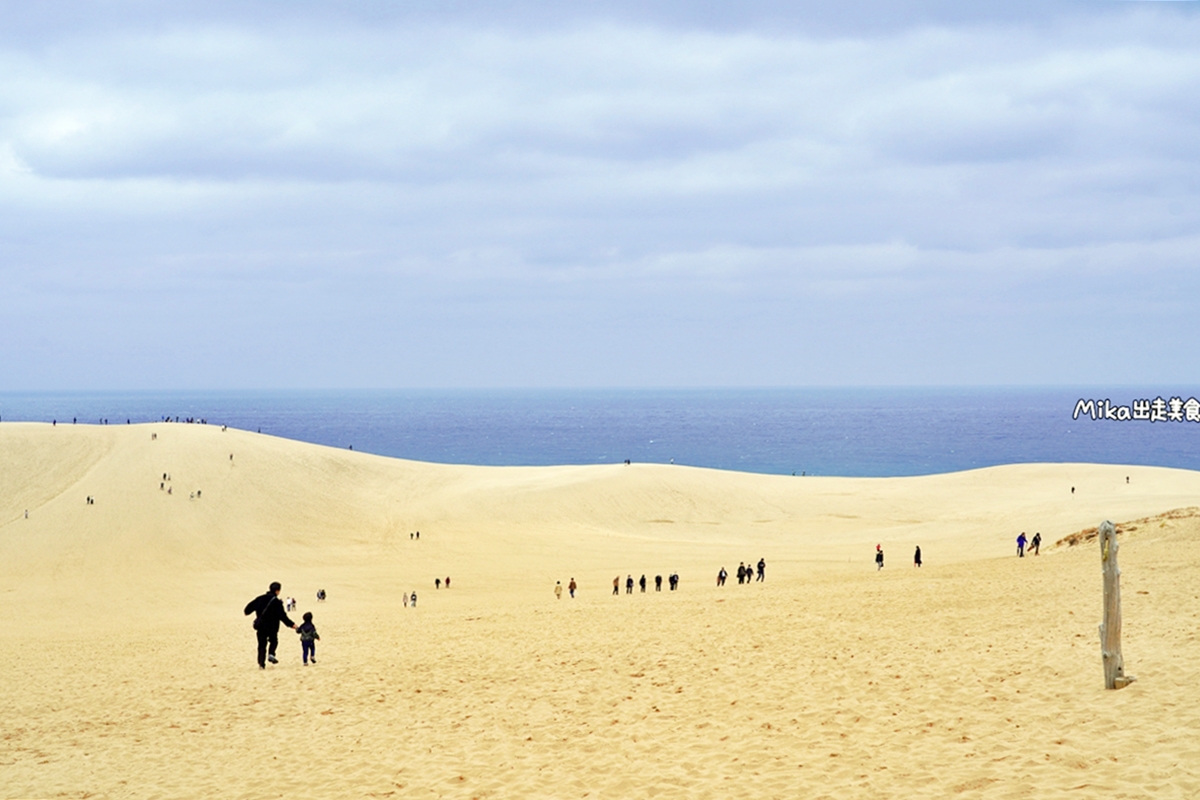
[
  {"x": 762, "y": 569},
  {"x": 269, "y": 613},
  {"x": 878, "y": 557},
  {"x": 642, "y": 583},
  {"x": 917, "y": 557},
  {"x": 629, "y": 584},
  {"x": 617, "y": 585},
  {"x": 437, "y": 583},
  {"x": 674, "y": 581},
  {"x": 741, "y": 573},
  {"x": 1036, "y": 543},
  {"x": 658, "y": 583},
  {"x": 572, "y": 586}
]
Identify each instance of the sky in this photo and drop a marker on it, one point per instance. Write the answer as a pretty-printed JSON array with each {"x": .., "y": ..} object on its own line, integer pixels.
[{"x": 267, "y": 195}]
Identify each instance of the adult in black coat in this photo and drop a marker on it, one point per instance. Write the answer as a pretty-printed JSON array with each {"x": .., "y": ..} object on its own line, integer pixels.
[{"x": 269, "y": 613}]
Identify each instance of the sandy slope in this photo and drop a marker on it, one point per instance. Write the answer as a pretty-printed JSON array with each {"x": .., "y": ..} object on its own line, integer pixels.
[{"x": 130, "y": 671}]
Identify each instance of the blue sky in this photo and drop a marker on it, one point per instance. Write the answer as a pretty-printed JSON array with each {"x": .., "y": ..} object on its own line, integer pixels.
[{"x": 266, "y": 195}]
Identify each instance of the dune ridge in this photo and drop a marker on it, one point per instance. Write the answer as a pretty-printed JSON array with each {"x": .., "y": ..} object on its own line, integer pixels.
[{"x": 132, "y": 673}]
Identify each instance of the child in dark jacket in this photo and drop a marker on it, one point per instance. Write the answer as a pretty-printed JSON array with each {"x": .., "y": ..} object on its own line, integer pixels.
[{"x": 308, "y": 638}]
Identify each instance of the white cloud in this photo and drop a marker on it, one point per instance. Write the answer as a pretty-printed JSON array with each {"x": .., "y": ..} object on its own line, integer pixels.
[{"x": 660, "y": 171}]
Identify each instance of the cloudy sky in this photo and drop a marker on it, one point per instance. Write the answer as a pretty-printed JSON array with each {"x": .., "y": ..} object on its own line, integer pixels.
[{"x": 654, "y": 193}]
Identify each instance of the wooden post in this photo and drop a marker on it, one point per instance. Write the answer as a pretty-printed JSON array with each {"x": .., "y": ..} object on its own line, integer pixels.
[{"x": 1110, "y": 629}]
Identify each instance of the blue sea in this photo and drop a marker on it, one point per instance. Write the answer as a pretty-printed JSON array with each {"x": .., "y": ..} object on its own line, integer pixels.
[{"x": 848, "y": 432}]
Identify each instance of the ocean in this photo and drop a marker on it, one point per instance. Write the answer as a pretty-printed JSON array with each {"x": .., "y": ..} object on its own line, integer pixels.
[{"x": 847, "y": 432}]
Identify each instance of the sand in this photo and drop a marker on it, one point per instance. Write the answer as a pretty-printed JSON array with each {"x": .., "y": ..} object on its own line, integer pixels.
[{"x": 129, "y": 669}]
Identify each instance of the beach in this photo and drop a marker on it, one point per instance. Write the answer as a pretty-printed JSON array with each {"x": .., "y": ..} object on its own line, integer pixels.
[{"x": 130, "y": 669}]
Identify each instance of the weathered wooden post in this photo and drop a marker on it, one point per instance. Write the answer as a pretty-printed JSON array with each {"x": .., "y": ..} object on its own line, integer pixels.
[{"x": 1110, "y": 629}]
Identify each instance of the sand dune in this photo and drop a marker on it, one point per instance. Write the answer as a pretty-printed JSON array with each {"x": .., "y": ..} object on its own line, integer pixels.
[{"x": 131, "y": 672}]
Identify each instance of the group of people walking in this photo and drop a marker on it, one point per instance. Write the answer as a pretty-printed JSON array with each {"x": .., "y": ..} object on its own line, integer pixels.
[
  {"x": 672, "y": 583},
  {"x": 745, "y": 573},
  {"x": 1034, "y": 544},
  {"x": 269, "y": 614}
]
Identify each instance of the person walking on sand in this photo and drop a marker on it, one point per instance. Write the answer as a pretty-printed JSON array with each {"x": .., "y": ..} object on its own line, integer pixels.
[
  {"x": 437, "y": 583},
  {"x": 617, "y": 585},
  {"x": 628, "y": 584},
  {"x": 642, "y": 583},
  {"x": 1021, "y": 545},
  {"x": 1036, "y": 543},
  {"x": 269, "y": 613},
  {"x": 558, "y": 590},
  {"x": 762, "y": 569},
  {"x": 658, "y": 583},
  {"x": 571, "y": 587},
  {"x": 413, "y": 600},
  {"x": 447, "y": 581},
  {"x": 917, "y": 557},
  {"x": 878, "y": 557},
  {"x": 721, "y": 576},
  {"x": 308, "y": 638}
]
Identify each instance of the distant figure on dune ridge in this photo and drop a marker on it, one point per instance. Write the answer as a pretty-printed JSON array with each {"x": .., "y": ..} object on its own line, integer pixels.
[
  {"x": 878, "y": 557},
  {"x": 658, "y": 583},
  {"x": 642, "y": 583},
  {"x": 447, "y": 581},
  {"x": 437, "y": 583},
  {"x": 741, "y": 573},
  {"x": 308, "y": 638},
  {"x": 1036, "y": 543},
  {"x": 673, "y": 580},
  {"x": 1021, "y": 545},
  {"x": 762, "y": 569},
  {"x": 629, "y": 584},
  {"x": 721, "y": 576},
  {"x": 917, "y": 557},
  {"x": 268, "y": 614},
  {"x": 616, "y": 580},
  {"x": 571, "y": 587},
  {"x": 558, "y": 590}
]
